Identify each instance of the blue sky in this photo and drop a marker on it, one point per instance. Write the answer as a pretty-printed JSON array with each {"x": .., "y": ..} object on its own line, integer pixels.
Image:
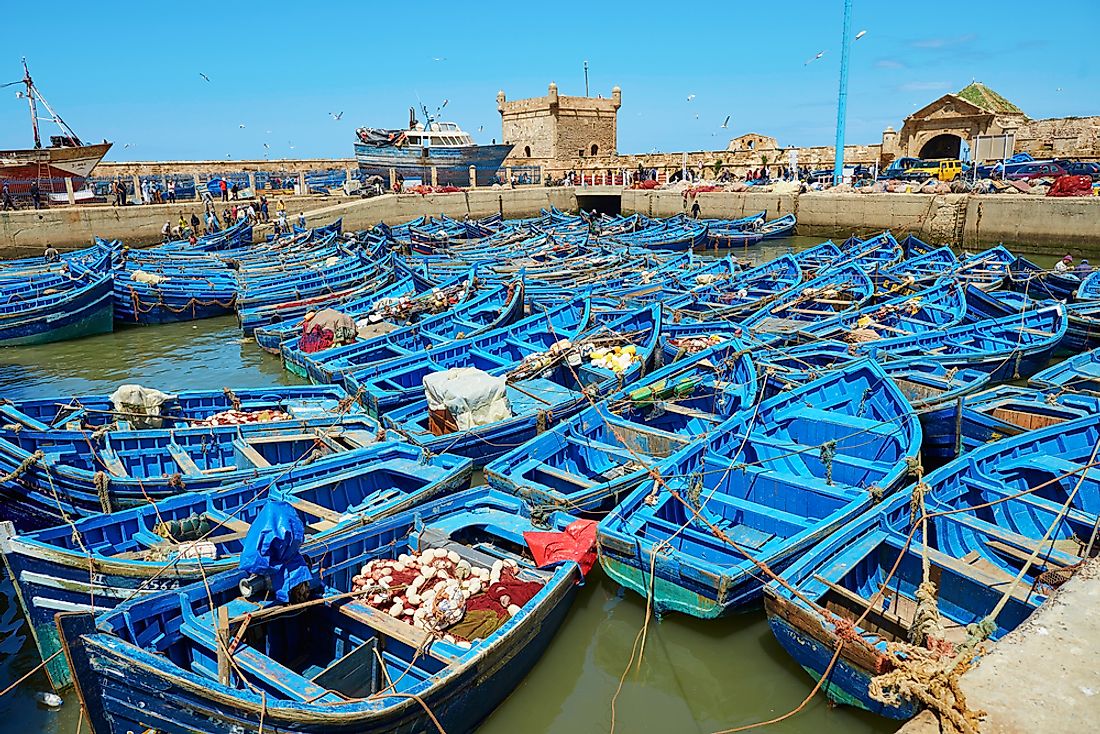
[{"x": 130, "y": 72}]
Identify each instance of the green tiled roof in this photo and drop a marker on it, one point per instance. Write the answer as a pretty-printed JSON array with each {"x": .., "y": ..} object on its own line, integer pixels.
[{"x": 981, "y": 95}]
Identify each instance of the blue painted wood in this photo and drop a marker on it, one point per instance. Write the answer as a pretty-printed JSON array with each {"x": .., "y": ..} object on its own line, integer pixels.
[
  {"x": 540, "y": 401},
  {"x": 128, "y": 554},
  {"x": 993, "y": 507},
  {"x": 774, "y": 481},
  {"x": 164, "y": 642},
  {"x": 589, "y": 462},
  {"x": 53, "y": 305}
]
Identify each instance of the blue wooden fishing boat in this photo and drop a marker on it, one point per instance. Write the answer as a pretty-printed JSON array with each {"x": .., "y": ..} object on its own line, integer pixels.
[
  {"x": 336, "y": 664},
  {"x": 941, "y": 306},
  {"x": 55, "y": 306},
  {"x": 57, "y": 475},
  {"x": 998, "y": 520},
  {"x": 179, "y": 410},
  {"x": 958, "y": 427},
  {"x": 993, "y": 304},
  {"x": 273, "y": 316},
  {"x": 818, "y": 257},
  {"x": 1089, "y": 290},
  {"x": 162, "y": 295},
  {"x": 95, "y": 563},
  {"x": 1008, "y": 348},
  {"x": 986, "y": 270},
  {"x": 748, "y": 231},
  {"x": 272, "y": 336},
  {"x": 677, "y": 233},
  {"x": 835, "y": 292},
  {"x": 1084, "y": 326},
  {"x": 492, "y": 308},
  {"x": 540, "y": 387},
  {"x": 589, "y": 462},
  {"x": 1039, "y": 283},
  {"x": 920, "y": 270},
  {"x": 762, "y": 489},
  {"x": 1078, "y": 373},
  {"x": 739, "y": 294},
  {"x": 394, "y": 382}
]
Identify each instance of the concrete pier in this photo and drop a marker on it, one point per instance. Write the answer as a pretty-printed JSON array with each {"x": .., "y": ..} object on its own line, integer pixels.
[
  {"x": 1043, "y": 677},
  {"x": 1027, "y": 224}
]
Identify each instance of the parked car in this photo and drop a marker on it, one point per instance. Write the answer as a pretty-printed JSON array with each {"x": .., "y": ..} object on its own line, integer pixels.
[
  {"x": 825, "y": 175},
  {"x": 1032, "y": 171},
  {"x": 1081, "y": 168},
  {"x": 941, "y": 170},
  {"x": 898, "y": 167}
]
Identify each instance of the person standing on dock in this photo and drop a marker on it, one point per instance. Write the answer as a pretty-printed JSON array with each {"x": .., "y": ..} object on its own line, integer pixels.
[
  {"x": 194, "y": 222},
  {"x": 35, "y": 194},
  {"x": 302, "y": 220},
  {"x": 224, "y": 189},
  {"x": 166, "y": 232},
  {"x": 8, "y": 202}
]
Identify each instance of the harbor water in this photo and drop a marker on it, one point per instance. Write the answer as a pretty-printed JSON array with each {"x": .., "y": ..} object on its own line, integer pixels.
[{"x": 696, "y": 676}]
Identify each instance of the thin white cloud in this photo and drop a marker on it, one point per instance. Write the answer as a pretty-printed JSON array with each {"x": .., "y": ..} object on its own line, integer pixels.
[{"x": 889, "y": 64}]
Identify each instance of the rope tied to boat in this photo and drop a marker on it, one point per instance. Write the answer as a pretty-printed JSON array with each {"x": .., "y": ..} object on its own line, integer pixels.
[
  {"x": 542, "y": 419},
  {"x": 927, "y": 622},
  {"x": 232, "y": 398},
  {"x": 102, "y": 489},
  {"x": 931, "y": 678},
  {"x": 877, "y": 494},
  {"x": 23, "y": 468},
  {"x": 102, "y": 431},
  {"x": 828, "y": 452}
]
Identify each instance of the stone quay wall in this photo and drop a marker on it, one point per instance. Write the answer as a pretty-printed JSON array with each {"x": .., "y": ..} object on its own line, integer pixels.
[
  {"x": 280, "y": 165},
  {"x": 1026, "y": 224}
]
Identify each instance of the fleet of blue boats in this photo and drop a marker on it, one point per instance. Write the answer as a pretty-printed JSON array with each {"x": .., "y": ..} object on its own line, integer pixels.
[{"x": 878, "y": 440}]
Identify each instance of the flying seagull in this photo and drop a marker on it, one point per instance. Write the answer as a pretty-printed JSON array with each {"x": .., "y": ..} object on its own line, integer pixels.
[
  {"x": 241, "y": 126},
  {"x": 204, "y": 76},
  {"x": 480, "y": 128},
  {"x": 337, "y": 115},
  {"x": 860, "y": 35},
  {"x": 691, "y": 97},
  {"x": 815, "y": 58},
  {"x": 696, "y": 115},
  {"x": 439, "y": 58},
  {"x": 726, "y": 122},
  {"x": 266, "y": 145}
]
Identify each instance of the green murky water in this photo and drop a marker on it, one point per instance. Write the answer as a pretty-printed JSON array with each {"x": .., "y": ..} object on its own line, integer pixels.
[{"x": 696, "y": 676}]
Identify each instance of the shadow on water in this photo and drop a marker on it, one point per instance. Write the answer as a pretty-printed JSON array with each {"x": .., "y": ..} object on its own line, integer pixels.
[{"x": 696, "y": 676}]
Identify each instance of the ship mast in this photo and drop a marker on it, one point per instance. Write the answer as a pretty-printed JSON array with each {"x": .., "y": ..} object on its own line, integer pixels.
[{"x": 30, "y": 101}]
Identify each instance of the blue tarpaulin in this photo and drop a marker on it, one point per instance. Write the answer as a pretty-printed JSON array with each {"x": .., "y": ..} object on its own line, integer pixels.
[{"x": 273, "y": 548}]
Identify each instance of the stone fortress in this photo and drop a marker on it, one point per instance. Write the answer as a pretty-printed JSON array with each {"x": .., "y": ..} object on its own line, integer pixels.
[{"x": 563, "y": 133}]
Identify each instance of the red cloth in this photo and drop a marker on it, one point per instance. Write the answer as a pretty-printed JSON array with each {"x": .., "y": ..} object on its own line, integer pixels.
[
  {"x": 518, "y": 592},
  {"x": 1071, "y": 186},
  {"x": 576, "y": 543}
]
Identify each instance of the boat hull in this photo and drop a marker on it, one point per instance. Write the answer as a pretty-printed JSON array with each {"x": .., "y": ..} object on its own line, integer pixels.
[
  {"x": 68, "y": 162},
  {"x": 129, "y": 693},
  {"x": 452, "y": 164},
  {"x": 90, "y": 312}
]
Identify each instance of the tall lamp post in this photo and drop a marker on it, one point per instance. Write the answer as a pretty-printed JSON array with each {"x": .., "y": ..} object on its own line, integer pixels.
[{"x": 842, "y": 96}]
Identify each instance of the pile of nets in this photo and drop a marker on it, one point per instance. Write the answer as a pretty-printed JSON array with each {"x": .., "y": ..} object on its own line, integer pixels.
[
  {"x": 239, "y": 417},
  {"x": 440, "y": 592},
  {"x": 694, "y": 344}
]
